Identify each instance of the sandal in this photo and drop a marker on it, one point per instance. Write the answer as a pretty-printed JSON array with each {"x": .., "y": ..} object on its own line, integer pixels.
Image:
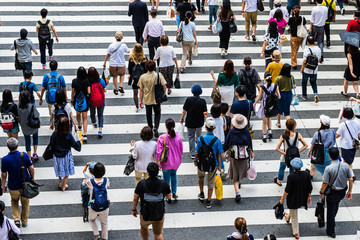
[
  {"x": 116, "y": 92},
  {"x": 247, "y": 37},
  {"x": 287, "y": 218},
  {"x": 253, "y": 37},
  {"x": 276, "y": 181},
  {"x": 296, "y": 236},
  {"x": 64, "y": 188},
  {"x": 344, "y": 94}
]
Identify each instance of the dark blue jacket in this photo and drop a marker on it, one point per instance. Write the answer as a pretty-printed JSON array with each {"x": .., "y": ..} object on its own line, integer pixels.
[
  {"x": 62, "y": 144},
  {"x": 139, "y": 12}
]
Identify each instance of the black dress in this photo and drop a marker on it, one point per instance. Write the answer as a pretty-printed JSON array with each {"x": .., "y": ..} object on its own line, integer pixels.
[{"x": 356, "y": 68}]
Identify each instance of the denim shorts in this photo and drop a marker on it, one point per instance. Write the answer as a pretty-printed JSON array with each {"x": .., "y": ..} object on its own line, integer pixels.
[{"x": 14, "y": 130}]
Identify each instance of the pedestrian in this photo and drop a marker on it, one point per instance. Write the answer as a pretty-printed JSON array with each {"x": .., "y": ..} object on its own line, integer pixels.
[
  {"x": 238, "y": 142},
  {"x": 61, "y": 108},
  {"x": 341, "y": 5},
  {"x": 5, "y": 223},
  {"x": 80, "y": 99},
  {"x": 143, "y": 152},
  {"x": 44, "y": 27},
  {"x": 249, "y": 12},
  {"x": 297, "y": 193},
  {"x": 159, "y": 189},
  {"x": 188, "y": 29},
  {"x": 173, "y": 156},
  {"x": 293, "y": 138},
  {"x": 270, "y": 47},
  {"x": 61, "y": 142},
  {"x": 167, "y": 59},
  {"x": 249, "y": 78},
  {"x": 280, "y": 22},
  {"x": 200, "y": 7},
  {"x": 319, "y": 14},
  {"x": 52, "y": 82},
  {"x": 96, "y": 90},
  {"x": 100, "y": 201},
  {"x": 195, "y": 110},
  {"x": 266, "y": 121},
  {"x": 147, "y": 83},
  {"x": 26, "y": 108},
  {"x": 220, "y": 127},
  {"x": 23, "y": 46},
  {"x": 348, "y": 131},
  {"x": 136, "y": 68},
  {"x": 11, "y": 165},
  {"x": 278, "y": 6},
  {"x": 213, "y": 155},
  {"x": 353, "y": 26},
  {"x": 213, "y": 8},
  {"x": 295, "y": 42},
  {"x": 325, "y": 136},
  {"x": 242, "y": 106},
  {"x": 183, "y": 7},
  {"x": 9, "y": 115},
  {"x": 352, "y": 72},
  {"x": 308, "y": 73},
  {"x": 225, "y": 14},
  {"x": 285, "y": 82},
  {"x": 154, "y": 29},
  {"x": 241, "y": 230},
  {"x": 116, "y": 53},
  {"x": 139, "y": 12},
  {"x": 335, "y": 177},
  {"x": 29, "y": 86},
  {"x": 331, "y": 6},
  {"x": 291, "y": 4},
  {"x": 227, "y": 81}
]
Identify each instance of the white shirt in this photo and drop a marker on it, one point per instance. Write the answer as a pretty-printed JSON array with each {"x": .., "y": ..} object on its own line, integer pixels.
[
  {"x": 345, "y": 139},
  {"x": 283, "y": 9},
  {"x": 317, "y": 52},
  {"x": 219, "y": 129},
  {"x": 117, "y": 58},
  {"x": 166, "y": 55},
  {"x": 4, "y": 230},
  {"x": 251, "y": 5},
  {"x": 211, "y": 2},
  {"x": 319, "y": 15},
  {"x": 144, "y": 153}
]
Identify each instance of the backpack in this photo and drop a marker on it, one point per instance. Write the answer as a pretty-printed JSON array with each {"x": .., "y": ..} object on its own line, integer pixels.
[
  {"x": 80, "y": 102},
  {"x": 330, "y": 11},
  {"x": 60, "y": 112},
  {"x": 153, "y": 207},
  {"x": 271, "y": 102},
  {"x": 44, "y": 32},
  {"x": 53, "y": 86},
  {"x": 250, "y": 90},
  {"x": 312, "y": 61},
  {"x": 7, "y": 118},
  {"x": 99, "y": 196},
  {"x": 137, "y": 71},
  {"x": 206, "y": 157},
  {"x": 32, "y": 121},
  {"x": 97, "y": 96},
  {"x": 25, "y": 87},
  {"x": 292, "y": 150}
]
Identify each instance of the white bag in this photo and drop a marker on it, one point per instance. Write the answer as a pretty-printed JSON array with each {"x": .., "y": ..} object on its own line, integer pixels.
[
  {"x": 301, "y": 30},
  {"x": 251, "y": 174},
  {"x": 181, "y": 129},
  {"x": 195, "y": 51}
]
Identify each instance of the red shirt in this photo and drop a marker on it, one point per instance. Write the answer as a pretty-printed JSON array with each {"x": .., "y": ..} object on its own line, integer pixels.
[{"x": 353, "y": 25}]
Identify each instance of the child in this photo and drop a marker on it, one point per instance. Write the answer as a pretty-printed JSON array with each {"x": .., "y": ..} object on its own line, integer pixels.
[
  {"x": 85, "y": 190},
  {"x": 99, "y": 201},
  {"x": 220, "y": 129},
  {"x": 29, "y": 86},
  {"x": 241, "y": 230},
  {"x": 249, "y": 78},
  {"x": 224, "y": 110}
]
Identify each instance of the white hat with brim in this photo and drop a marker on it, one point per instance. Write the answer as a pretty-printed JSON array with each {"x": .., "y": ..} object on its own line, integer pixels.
[
  {"x": 239, "y": 121},
  {"x": 210, "y": 123}
]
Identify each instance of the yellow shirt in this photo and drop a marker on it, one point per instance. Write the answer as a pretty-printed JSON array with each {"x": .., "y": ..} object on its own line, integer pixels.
[
  {"x": 274, "y": 68},
  {"x": 333, "y": 5},
  {"x": 147, "y": 83}
]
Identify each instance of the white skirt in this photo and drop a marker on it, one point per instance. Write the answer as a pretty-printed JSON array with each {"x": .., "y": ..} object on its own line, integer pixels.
[{"x": 227, "y": 94}]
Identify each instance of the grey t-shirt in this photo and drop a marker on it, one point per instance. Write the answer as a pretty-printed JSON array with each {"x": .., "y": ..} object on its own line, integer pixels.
[
  {"x": 23, "y": 116},
  {"x": 24, "y": 47},
  {"x": 341, "y": 178}
]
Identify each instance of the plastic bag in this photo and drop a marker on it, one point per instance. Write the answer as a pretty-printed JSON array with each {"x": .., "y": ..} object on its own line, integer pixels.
[
  {"x": 217, "y": 27},
  {"x": 195, "y": 51},
  {"x": 170, "y": 12},
  {"x": 252, "y": 171},
  {"x": 106, "y": 75},
  {"x": 218, "y": 187},
  {"x": 181, "y": 129},
  {"x": 295, "y": 100}
]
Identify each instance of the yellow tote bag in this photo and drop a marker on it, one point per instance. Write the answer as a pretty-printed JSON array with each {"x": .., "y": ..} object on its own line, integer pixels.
[{"x": 218, "y": 187}]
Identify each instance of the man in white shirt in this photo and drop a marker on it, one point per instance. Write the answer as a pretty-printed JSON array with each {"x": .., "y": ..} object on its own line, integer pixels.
[
  {"x": 307, "y": 72},
  {"x": 278, "y": 6},
  {"x": 154, "y": 29},
  {"x": 319, "y": 15},
  {"x": 249, "y": 12}
]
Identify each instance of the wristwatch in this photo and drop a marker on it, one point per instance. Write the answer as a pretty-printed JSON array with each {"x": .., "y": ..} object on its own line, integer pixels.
[
  {"x": 321, "y": 193},
  {"x": 134, "y": 210}
]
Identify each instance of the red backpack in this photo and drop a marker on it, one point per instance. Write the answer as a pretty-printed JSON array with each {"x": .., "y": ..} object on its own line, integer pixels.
[{"x": 97, "y": 96}]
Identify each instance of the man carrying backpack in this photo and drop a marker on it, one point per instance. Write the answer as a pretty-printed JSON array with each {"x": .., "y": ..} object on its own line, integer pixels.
[
  {"x": 309, "y": 68},
  {"x": 250, "y": 78},
  {"x": 331, "y": 6},
  {"x": 52, "y": 82},
  {"x": 27, "y": 85},
  {"x": 208, "y": 151},
  {"x": 152, "y": 192},
  {"x": 43, "y": 28}
]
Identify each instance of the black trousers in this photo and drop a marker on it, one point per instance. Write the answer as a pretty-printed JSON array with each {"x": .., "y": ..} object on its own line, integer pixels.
[
  {"x": 225, "y": 35},
  {"x": 42, "y": 47},
  {"x": 157, "y": 112},
  {"x": 138, "y": 34},
  {"x": 153, "y": 44},
  {"x": 327, "y": 32},
  {"x": 199, "y": 7},
  {"x": 332, "y": 201}
]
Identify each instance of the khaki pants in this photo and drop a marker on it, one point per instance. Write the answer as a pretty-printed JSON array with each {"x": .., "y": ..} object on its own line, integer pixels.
[
  {"x": 295, "y": 43},
  {"x": 103, "y": 217},
  {"x": 294, "y": 220},
  {"x": 210, "y": 180},
  {"x": 49, "y": 108},
  {"x": 187, "y": 49},
  {"x": 157, "y": 226},
  {"x": 15, "y": 210},
  {"x": 138, "y": 176},
  {"x": 250, "y": 17}
]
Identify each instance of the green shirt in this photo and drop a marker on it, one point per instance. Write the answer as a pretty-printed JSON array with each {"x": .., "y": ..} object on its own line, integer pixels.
[
  {"x": 225, "y": 81},
  {"x": 284, "y": 83}
]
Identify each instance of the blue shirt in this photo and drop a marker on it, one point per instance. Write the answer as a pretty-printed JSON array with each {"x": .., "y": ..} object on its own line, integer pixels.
[
  {"x": 53, "y": 73},
  {"x": 208, "y": 137},
  {"x": 242, "y": 107},
  {"x": 32, "y": 88},
  {"x": 187, "y": 30},
  {"x": 11, "y": 164}
]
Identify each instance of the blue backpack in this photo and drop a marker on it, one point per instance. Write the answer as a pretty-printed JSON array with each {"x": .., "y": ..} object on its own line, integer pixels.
[
  {"x": 60, "y": 112},
  {"x": 80, "y": 102},
  {"x": 99, "y": 196},
  {"x": 53, "y": 86}
]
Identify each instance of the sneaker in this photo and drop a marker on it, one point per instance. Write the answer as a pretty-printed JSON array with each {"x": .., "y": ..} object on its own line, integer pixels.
[
  {"x": 43, "y": 66},
  {"x": 226, "y": 53},
  {"x": 192, "y": 156},
  {"x": 210, "y": 28},
  {"x": 327, "y": 44},
  {"x": 270, "y": 136},
  {"x": 95, "y": 125},
  {"x": 79, "y": 127},
  {"x": 100, "y": 135},
  {"x": 316, "y": 98},
  {"x": 322, "y": 59},
  {"x": 17, "y": 223},
  {"x": 263, "y": 139},
  {"x": 354, "y": 178},
  {"x": 84, "y": 138},
  {"x": 304, "y": 97},
  {"x": 342, "y": 11},
  {"x": 24, "y": 225},
  {"x": 238, "y": 198},
  {"x": 201, "y": 196},
  {"x": 35, "y": 157},
  {"x": 121, "y": 90},
  {"x": 222, "y": 53},
  {"x": 208, "y": 204},
  {"x": 156, "y": 133},
  {"x": 50, "y": 58},
  {"x": 99, "y": 238}
]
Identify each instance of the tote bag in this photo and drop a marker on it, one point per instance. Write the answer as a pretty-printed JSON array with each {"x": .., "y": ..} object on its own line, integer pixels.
[{"x": 301, "y": 30}]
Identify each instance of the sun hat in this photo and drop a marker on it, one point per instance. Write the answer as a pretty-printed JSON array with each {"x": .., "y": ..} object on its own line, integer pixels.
[
  {"x": 296, "y": 163},
  {"x": 239, "y": 121},
  {"x": 210, "y": 123},
  {"x": 276, "y": 55},
  {"x": 325, "y": 120}
]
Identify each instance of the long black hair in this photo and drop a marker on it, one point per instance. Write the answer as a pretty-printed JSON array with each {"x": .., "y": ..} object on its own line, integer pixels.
[
  {"x": 81, "y": 75},
  {"x": 170, "y": 126},
  {"x": 6, "y": 99},
  {"x": 24, "y": 99},
  {"x": 273, "y": 30},
  {"x": 188, "y": 16},
  {"x": 60, "y": 98},
  {"x": 2, "y": 208},
  {"x": 286, "y": 70}
]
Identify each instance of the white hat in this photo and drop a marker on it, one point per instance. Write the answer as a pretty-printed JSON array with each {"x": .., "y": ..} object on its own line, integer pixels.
[
  {"x": 325, "y": 120},
  {"x": 210, "y": 123},
  {"x": 277, "y": 2},
  {"x": 239, "y": 121}
]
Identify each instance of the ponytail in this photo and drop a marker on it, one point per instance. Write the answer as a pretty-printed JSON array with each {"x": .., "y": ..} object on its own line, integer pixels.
[
  {"x": 268, "y": 79},
  {"x": 2, "y": 208},
  {"x": 290, "y": 126},
  {"x": 188, "y": 16},
  {"x": 170, "y": 126},
  {"x": 241, "y": 227},
  {"x": 186, "y": 20}
]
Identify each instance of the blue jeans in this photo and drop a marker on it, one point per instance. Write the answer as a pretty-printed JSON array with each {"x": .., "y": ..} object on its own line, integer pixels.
[
  {"x": 281, "y": 172},
  {"x": 42, "y": 47},
  {"x": 170, "y": 177},
  {"x": 177, "y": 16},
  {"x": 340, "y": 3},
  {"x": 100, "y": 113},
  {"x": 28, "y": 141},
  {"x": 313, "y": 78},
  {"x": 193, "y": 134},
  {"x": 212, "y": 13}
]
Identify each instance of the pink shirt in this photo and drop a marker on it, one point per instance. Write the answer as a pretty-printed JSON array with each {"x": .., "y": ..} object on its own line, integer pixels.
[
  {"x": 280, "y": 24},
  {"x": 174, "y": 154}
]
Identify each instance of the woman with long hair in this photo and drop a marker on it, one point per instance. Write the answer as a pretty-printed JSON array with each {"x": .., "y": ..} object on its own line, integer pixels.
[
  {"x": 241, "y": 230},
  {"x": 9, "y": 108},
  {"x": 6, "y": 224},
  {"x": 291, "y": 136},
  {"x": 280, "y": 22},
  {"x": 188, "y": 29},
  {"x": 352, "y": 72},
  {"x": 271, "y": 42},
  {"x": 25, "y": 109},
  {"x": 136, "y": 58},
  {"x": 80, "y": 99},
  {"x": 169, "y": 167},
  {"x": 224, "y": 15},
  {"x": 95, "y": 83},
  {"x": 61, "y": 108}
]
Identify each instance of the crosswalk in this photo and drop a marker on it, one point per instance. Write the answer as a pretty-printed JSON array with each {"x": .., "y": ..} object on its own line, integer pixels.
[{"x": 85, "y": 28}]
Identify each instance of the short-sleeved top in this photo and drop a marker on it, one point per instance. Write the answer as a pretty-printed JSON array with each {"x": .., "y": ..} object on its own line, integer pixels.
[
  {"x": 317, "y": 52},
  {"x": 50, "y": 25},
  {"x": 188, "y": 31},
  {"x": 219, "y": 128},
  {"x": 147, "y": 82},
  {"x": 333, "y": 4},
  {"x": 67, "y": 109},
  {"x": 103, "y": 84},
  {"x": 353, "y": 26},
  {"x": 294, "y": 23},
  {"x": 117, "y": 57},
  {"x": 274, "y": 68},
  {"x": 346, "y": 140},
  {"x": 182, "y": 8},
  {"x": 143, "y": 153},
  {"x": 272, "y": 42},
  {"x": 242, "y": 107},
  {"x": 342, "y": 176},
  {"x": 284, "y": 83},
  {"x": 254, "y": 80},
  {"x": 298, "y": 187},
  {"x": 319, "y": 14},
  {"x": 327, "y": 138},
  {"x": 32, "y": 88},
  {"x": 292, "y": 3},
  {"x": 228, "y": 16},
  {"x": 208, "y": 137},
  {"x": 223, "y": 80},
  {"x": 195, "y": 108},
  {"x": 13, "y": 110},
  {"x": 53, "y": 73},
  {"x": 280, "y": 24},
  {"x": 166, "y": 55},
  {"x": 251, "y": 6},
  {"x": 11, "y": 164},
  {"x": 80, "y": 87}
]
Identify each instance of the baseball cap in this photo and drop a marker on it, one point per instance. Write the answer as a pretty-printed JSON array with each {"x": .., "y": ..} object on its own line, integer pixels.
[{"x": 210, "y": 123}]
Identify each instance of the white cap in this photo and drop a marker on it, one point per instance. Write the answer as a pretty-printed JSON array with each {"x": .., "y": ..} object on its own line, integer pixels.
[
  {"x": 325, "y": 120},
  {"x": 210, "y": 123},
  {"x": 277, "y": 2}
]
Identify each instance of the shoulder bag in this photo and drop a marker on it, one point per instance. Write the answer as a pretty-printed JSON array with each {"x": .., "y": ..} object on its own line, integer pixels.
[
  {"x": 301, "y": 30},
  {"x": 17, "y": 63},
  {"x": 159, "y": 91},
  {"x": 232, "y": 25},
  {"x": 250, "y": 126},
  {"x": 165, "y": 150},
  {"x": 30, "y": 189},
  {"x": 356, "y": 143},
  {"x": 318, "y": 154},
  {"x": 215, "y": 94},
  {"x": 330, "y": 186},
  {"x": 179, "y": 34},
  {"x": 11, "y": 234},
  {"x": 32, "y": 121},
  {"x": 260, "y": 5}
]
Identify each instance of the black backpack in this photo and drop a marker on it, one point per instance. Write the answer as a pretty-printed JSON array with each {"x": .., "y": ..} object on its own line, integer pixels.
[
  {"x": 250, "y": 88},
  {"x": 318, "y": 154},
  {"x": 312, "y": 61},
  {"x": 330, "y": 11},
  {"x": 292, "y": 150},
  {"x": 153, "y": 207},
  {"x": 137, "y": 71},
  {"x": 25, "y": 87},
  {"x": 206, "y": 157},
  {"x": 44, "y": 32},
  {"x": 271, "y": 102}
]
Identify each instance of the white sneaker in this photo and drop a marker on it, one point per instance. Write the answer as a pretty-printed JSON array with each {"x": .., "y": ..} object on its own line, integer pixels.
[{"x": 222, "y": 53}]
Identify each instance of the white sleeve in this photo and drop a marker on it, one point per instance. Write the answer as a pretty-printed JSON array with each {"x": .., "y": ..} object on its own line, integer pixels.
[{"x": 14, "y": 227}]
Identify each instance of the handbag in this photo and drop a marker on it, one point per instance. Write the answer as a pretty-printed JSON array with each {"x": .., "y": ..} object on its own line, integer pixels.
[
  {"x": 251, "y": 173},
  {"x": 29, "y": 189},
  {"x": 260, "y": 5},
  {"x": 215, "y": 94},
  {"x": 320, "y": 213},
  {"x": 11, "y": 234},
  {"x": 301, "y": 30},
  {"x": 164, "y": 152},
  {"x": 195, "y": 51},
  {"x": 356, "y": 143},
  {"x": 295, "y": 100},
  {"x": 48, "y": 153},
  {"x": 130, "y": 166},
  {"x": 179, "y": 34},
  {"x": 32, "y": 121},
  {"x": 177, "y": 81},
  {"x": 279, "y": 211},
  {"x": 250, "y": 126},
  {"x": 160, "y": 95},
  {"x": 232, "y": 26},
  {"x": 318, "y": 152},
  {"x": 17, "y": 63},
  {"x": 283, "y": 39}
]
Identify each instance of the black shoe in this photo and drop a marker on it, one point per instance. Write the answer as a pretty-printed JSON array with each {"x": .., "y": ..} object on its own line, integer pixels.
[
  {"x": 327, "y": 43},
  {"x": 24, "y": 225},
  {"x": 332, "y": 235},
  {"x": 156, "y": 133},
  {"x": 208, "y": 204},
  {"x": 121, "y": 90},
  {"x": 354, "y": 178},
  {"x": 294, "y": 67},
  {"x": 270, "y": 136},
  {"x": 201, "y": 196},
  {"x": 238, "y": 198},
  {"x": 321, "y": 59},
  {"x": 263, "y": 139},
  {"x": 17, "y": 223}
]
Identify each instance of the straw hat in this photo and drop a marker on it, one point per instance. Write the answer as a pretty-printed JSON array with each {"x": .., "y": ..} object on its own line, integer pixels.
[
  {"x": 239, "y": 121},
  {"x": 276, "y": 55}
]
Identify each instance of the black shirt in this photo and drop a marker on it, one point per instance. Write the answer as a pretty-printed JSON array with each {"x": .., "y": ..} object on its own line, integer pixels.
[
  {"x": 139, "y": 12},
  {"x": 195, "y": 108},
  {"x": 294, "y": 24},
  {"x": 80, "y": 87},
  {"x": 298, "y": 187},
  {"x": 182, "y": 8}
]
